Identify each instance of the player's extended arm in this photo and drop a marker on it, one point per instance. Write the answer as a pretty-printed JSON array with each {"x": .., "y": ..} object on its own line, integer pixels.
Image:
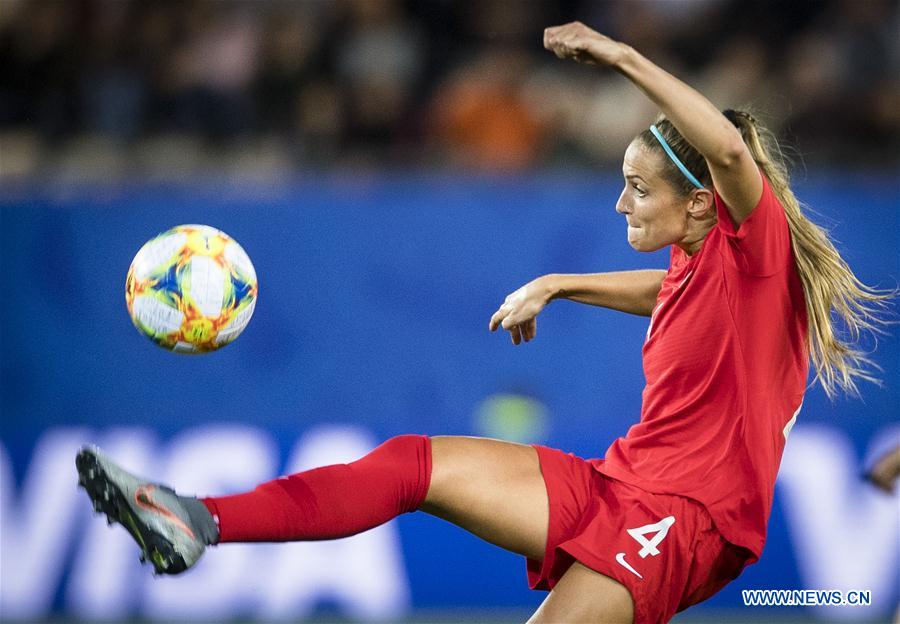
[
  {"x": 627, "y": 291},
  {"x": 734, "y": 173},
  {"x": 886, "y": 470}
]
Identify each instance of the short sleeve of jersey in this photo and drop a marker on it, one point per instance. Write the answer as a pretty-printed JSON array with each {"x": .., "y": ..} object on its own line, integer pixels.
[{"x": 761, "y": 245}]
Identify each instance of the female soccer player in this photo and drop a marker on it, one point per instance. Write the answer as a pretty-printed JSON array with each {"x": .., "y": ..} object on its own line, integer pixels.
[{"x": 679, "y": 506}]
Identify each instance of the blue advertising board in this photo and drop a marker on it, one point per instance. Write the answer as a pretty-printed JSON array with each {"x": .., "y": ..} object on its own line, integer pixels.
[{"x": 374, "y": 299}]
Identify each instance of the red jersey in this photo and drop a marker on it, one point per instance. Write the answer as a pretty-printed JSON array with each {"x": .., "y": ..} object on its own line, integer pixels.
[{"x": 726, "y": 361}]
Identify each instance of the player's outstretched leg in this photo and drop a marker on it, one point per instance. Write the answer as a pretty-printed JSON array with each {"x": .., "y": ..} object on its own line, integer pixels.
[
  {"x": 323, "y": 503},
  {"x": 171, "y": 530}
]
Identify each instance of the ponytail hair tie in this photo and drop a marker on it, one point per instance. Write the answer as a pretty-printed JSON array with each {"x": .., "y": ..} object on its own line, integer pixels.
[
  {"x": 732, "y": 116},
  {"x": 735, "y": 117}
]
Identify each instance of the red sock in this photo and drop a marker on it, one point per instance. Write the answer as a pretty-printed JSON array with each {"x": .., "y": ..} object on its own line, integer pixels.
[{"x": 332, "y": 501}]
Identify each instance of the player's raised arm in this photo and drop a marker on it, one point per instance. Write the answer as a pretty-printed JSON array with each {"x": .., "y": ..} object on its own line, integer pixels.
[
  {"x": 734, "y": 173},
  {"x": 626, "y": 291}
]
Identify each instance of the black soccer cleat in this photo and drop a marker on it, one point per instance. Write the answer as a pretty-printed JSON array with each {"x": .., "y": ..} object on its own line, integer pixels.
[{"x": 171, "y": 530}]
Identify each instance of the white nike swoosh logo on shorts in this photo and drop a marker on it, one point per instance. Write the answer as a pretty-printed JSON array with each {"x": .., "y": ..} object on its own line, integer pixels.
[{"x": 620, "y": 558}]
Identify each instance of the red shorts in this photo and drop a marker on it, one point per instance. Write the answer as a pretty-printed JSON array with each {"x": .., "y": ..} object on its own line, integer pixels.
[{"x": 663, "y": 548}]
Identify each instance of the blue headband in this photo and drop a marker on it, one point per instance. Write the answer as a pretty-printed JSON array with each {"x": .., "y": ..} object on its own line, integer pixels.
[{"x": 671, "y": 154}]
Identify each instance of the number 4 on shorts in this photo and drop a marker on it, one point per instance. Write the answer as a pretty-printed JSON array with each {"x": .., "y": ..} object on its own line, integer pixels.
[{"x": 649, "y": 547}]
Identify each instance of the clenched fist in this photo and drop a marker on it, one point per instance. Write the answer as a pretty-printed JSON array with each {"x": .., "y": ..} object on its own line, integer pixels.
[{"x": 576, "y": 41}]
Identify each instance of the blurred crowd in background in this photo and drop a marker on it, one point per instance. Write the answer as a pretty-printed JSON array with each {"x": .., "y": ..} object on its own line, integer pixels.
[{"x": 106, "y": 87}]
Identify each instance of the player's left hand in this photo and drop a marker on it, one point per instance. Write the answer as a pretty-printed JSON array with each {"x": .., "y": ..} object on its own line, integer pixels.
[
  {"x": 518, "y": 314},
  {"x": 576, "y": 41}
]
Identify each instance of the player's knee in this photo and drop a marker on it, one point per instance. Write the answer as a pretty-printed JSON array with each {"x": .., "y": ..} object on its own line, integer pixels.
[
  {"x": 408, "y": 459},
  {"x": 405, "y": 449}
]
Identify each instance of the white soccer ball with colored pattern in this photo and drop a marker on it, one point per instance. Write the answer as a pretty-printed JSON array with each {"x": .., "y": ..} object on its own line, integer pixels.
[{"x": 191, "y": 289}]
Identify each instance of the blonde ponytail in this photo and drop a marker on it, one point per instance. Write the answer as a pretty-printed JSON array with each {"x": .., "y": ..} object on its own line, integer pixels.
[{"x": 834, "y": 295}]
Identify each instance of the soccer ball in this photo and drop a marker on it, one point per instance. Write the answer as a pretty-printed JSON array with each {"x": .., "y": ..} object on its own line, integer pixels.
[{"x": 191, "y": 289}]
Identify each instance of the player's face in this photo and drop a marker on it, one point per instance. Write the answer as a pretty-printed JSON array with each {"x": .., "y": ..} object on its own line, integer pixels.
[{"x": 655, "y": 213}]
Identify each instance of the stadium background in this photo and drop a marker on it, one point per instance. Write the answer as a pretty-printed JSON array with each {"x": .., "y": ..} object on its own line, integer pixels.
[{"x": 393, "y": 169}]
